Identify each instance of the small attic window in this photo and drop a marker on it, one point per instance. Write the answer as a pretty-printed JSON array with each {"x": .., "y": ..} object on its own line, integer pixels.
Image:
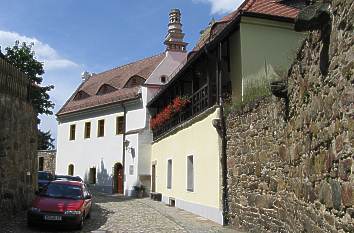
[
  {"x": 163, "y": 79},
  {"x": 134, "y": 81},
  {"x": 81, "y": 95},
  {"x": 104, "y": 89}
]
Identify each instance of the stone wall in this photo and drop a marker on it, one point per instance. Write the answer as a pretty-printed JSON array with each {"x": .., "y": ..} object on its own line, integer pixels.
[
  {"x": 18, "y": 141},
  {"x": 49, "y": 157},
  {"x": 290, "y": 163}
]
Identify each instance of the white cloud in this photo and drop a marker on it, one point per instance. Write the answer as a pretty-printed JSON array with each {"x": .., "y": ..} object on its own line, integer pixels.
[
  {"x": 44, "y": 53},
  {"x": 63, "y": 73},
  {"x": 222, "y": 6}
]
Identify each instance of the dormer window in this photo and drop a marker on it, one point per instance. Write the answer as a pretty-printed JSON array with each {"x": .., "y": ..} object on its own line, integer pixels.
[
  {"x": 134, "y": 81},
  {"x": 163, "y": 79},
  {"x": 104, "y": 89},
  {"x": 81, "y": 95}
]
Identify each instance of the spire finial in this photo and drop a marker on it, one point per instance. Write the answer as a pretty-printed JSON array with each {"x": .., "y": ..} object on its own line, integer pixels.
[{"x": 174, "y": 39}]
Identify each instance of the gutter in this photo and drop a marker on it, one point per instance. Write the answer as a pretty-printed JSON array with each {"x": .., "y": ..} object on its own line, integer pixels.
[
  {"x": 96, "y": 108},
  {"x": 123, "y": 144},
  {"x": 222, "y": 133}
]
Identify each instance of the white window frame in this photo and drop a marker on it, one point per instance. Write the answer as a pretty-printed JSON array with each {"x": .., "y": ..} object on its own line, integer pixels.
[
  {"x": 189, "y": 189},
  {"x": 169, "y": 174}
]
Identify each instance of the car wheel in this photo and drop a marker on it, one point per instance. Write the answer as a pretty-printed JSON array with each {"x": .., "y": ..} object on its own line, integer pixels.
[
  {"x": 81, "y": 224},
  {"x": 30, "y": 223}
]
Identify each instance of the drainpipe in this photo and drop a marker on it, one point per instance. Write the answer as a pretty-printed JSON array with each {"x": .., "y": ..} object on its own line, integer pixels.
[
  {"x": 223, "y": 140},
  {"x": 124, "y": 135}
]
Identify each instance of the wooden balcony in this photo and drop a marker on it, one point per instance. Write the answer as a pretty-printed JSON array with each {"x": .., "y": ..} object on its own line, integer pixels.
[{"x": 199, "y": 102}]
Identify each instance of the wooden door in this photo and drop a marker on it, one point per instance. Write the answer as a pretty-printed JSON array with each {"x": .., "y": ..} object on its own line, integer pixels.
[
  {"x": 153, "y": 178},
  {"x": 120, "y": 176}
]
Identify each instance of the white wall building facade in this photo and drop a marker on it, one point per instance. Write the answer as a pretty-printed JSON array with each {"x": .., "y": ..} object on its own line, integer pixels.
[{"x": 115, "y": 155}]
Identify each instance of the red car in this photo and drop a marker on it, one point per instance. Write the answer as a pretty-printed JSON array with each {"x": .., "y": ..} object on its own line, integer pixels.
[{"x": 61, "y": 202}]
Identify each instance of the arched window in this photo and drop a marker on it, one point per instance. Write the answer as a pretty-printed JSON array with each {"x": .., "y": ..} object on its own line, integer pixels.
[
  {"x": 134, "y": 81},
  {"x": 105, "y": 88},
  {"x": 81, "y": 95},
  {"x": 71, "y": 170}
]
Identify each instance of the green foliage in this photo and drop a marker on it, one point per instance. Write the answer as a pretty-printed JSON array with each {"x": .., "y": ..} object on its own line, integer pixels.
[
  {"x": 45, "y": 141},
  {"x": 306, "y": 97},
  {"x": 23, "y": 57},
  {"x": 254, "y": 88}
]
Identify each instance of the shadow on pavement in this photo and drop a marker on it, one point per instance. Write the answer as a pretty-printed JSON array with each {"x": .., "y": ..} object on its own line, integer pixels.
[{"x": 98, "y": 218}]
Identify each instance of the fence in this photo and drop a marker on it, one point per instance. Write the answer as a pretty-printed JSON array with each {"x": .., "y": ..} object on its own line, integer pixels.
[{"x": 12, "y": 81}]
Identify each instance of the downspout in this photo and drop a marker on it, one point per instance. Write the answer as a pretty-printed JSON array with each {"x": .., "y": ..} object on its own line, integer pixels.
[
  {"x": 124, "y": 135},
  {"x": 222, "y": 126}
]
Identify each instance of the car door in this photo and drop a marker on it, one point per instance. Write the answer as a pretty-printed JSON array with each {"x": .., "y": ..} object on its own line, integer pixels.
[{"x": 88, "y": 202}]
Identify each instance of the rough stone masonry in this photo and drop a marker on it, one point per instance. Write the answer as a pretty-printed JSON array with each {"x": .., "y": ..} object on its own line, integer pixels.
[
  {"x": 18, "y": 141},
  {"x": 290, "y": 160}
]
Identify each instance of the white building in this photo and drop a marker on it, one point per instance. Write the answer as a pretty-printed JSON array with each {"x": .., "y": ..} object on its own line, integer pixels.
[{"x": 103, "y": 134}]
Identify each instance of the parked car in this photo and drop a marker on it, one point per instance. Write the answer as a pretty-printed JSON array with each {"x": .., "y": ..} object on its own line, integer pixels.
[
  {"x": 61, "y": 202},
  {"x": 44, "y": 178},
  {"x": 68, "y": 178}
]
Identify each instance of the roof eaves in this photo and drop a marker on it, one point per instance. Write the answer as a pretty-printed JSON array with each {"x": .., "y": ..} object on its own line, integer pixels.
[
  {"x": 82, "y": 110},
  {"x": 69, "y": 99},
  {"x": 235, "y": 21},
  {"x": 267, "y": 16}
]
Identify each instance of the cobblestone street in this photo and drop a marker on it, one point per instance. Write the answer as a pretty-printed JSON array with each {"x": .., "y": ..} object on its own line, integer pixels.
[{"x": 118, "y": 214}]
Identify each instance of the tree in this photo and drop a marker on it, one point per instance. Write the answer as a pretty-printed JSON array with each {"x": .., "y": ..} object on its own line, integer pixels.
[
  {"x": 23, "y": 57},
  {"x": 45, "y": 141}
]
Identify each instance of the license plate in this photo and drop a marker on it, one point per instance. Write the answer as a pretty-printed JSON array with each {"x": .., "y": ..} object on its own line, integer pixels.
[{"x": 52, "y": 218}]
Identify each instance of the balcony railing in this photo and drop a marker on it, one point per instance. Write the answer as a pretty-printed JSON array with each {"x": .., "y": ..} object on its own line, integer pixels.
[{"x": 199, "y": 101}]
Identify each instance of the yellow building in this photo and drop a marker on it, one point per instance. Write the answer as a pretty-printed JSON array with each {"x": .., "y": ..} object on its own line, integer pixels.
[{"x": 188, "y": 161}]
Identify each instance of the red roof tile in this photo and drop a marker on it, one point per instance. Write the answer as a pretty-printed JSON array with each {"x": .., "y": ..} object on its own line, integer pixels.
[
  {"x": 261, "y": 7},
  {"x": 116, "y": 78}
]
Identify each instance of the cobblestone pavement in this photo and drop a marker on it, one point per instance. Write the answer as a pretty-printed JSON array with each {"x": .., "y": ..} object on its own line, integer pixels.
[{"x": 118, "y": 214}]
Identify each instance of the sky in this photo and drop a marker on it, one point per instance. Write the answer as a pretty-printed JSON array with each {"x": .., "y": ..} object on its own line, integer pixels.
[{"x": 72, "y": 36}]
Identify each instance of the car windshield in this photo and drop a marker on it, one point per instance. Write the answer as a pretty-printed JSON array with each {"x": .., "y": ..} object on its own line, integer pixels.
[
  {"x": 55, "y": 190},
  {"x": 73, "y": 178},
  {"x": 44, "y": 176}
]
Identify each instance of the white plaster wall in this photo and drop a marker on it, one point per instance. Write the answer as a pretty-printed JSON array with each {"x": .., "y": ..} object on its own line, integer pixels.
[
  {"x": 145, "y": 139},
  {"x": 166, "y": 67},
  {"x": 86, "y": 153},
  {"x": 131, "y": 158}
]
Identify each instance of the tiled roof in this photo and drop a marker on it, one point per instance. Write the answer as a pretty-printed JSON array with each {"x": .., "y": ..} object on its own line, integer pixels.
[
  {"x": 275, "y": 8},
  {"x": 116, "y": 78},
  {"x": 260, "y": 8}
]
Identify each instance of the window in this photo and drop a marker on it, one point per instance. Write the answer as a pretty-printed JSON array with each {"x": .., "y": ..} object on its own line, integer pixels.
[
  {"x": 92, "y": 177},
  {"x": 190, "y": 173},
  {"x": 105, "y": 89},
  {"x": 131, "y": 170},
  {"x": 81, "y": 95},
  {"x": 169, "y": 173},
  {"x": 87, "y": 130},
  {"x": 40, "y": 163},
  {"x": 100, "y": 132},
  {"x": 120, "y": 125},
  {"x": 163, "y": 79},
  {"x": 134, "y": 81},
  {"x": 71, "y": 170},
  {"x": 72, "y": 132}
]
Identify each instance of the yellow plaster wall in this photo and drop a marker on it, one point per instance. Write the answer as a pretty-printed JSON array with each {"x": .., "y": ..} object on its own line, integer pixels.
[
  {"x": 202, "y": 141},
  {"x": 261, "y": 45}
]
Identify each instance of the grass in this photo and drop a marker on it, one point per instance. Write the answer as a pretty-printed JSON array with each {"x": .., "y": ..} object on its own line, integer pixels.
[{"x": 254, "y": 88}]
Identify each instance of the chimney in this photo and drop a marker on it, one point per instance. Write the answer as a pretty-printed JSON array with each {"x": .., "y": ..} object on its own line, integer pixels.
[
  {"x": 86, "y": 75},
  {"x": 174, "y": 39}
]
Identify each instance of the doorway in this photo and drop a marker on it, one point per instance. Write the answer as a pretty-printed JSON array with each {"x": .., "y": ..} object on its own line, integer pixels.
[
  {"x": 153, "y": 178},
  {"x": 118, "y": 184}
]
